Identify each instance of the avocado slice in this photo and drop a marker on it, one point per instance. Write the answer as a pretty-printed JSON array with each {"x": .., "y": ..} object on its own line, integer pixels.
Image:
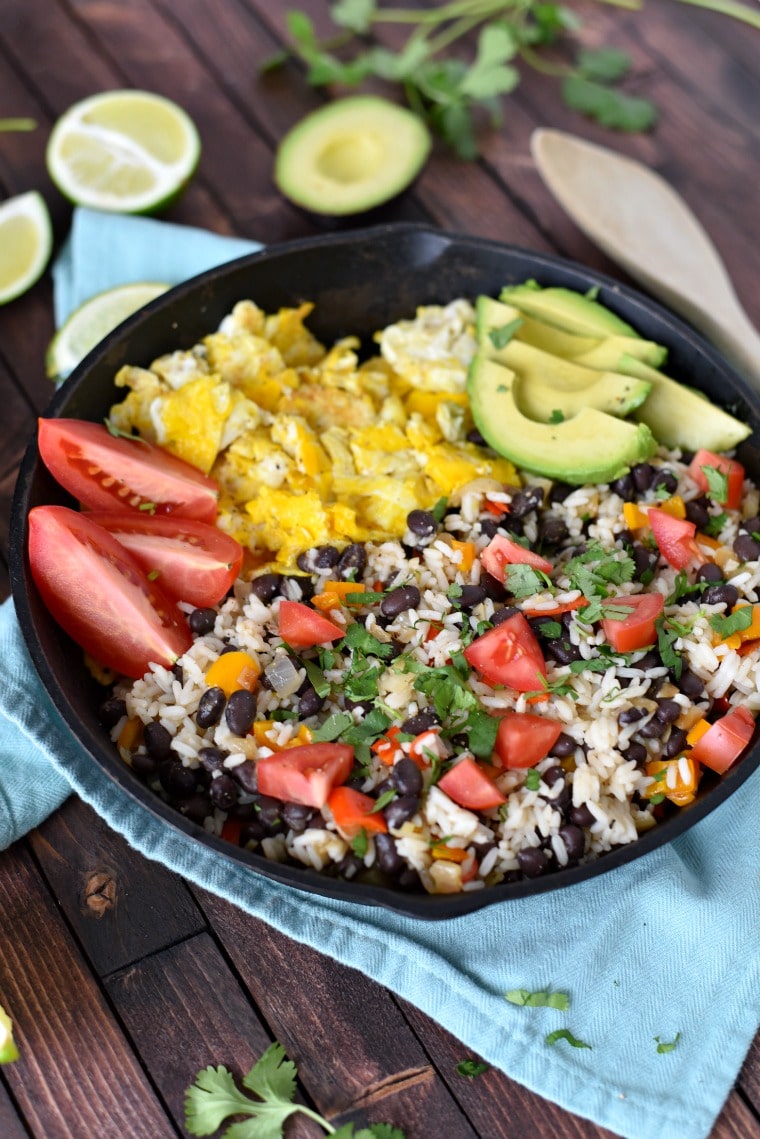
[
  {"x": 566, "y": 309},
  {"x": 589, "y": 447},
  {"x": 679, "y": 416},
  {"x": 606, "y": 354},
  {"x": 351, "y": 155}
]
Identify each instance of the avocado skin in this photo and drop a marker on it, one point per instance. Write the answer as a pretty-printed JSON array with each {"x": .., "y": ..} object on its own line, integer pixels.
[
  {"x": 590, "y": 447},
  {"x": 566, "y": 310}
]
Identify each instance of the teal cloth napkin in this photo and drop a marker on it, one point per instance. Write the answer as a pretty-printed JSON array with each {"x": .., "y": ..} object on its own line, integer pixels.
[{"x": 666, "y": 947}]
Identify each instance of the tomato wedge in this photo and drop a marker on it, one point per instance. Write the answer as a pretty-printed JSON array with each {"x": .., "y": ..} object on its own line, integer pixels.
[
  {"x": 193, "y": 561},
  {"x": 724, "y": 741},
  {"x": 732, "y": 471},
  {"x": 305, "y": 774},
  {"x": 524, "y": 740},
  {"x": 100, "y": 595},
  {"x": 302, "y": 627},
  {"x": 628, "y": 634},
  {"x": 469, "y": 786},
  {"x": 109, "y": 473},
  {"x": 501, "y": 552},
  {"x": 674, "y": 538},
  {"x": 509, "y": 655},
  {"x": 354, "y": 812}
]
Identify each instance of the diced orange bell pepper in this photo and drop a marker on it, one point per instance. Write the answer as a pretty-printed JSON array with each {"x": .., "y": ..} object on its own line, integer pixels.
[
  {"x": 131, "y": 734},
  {"x": 448, "y": 853},
  {"x": 679, "y": 783},
  {"x": 334, "y": 594},
  {"x": 675, "y": 506},
  {"x": 326, "y": 601},
  {"x": 387, "y": 748},
  {"x": 498, "y": 509},
  {"x": 233, "y": 671},
  {"x": 263, "y": 731},
  {"x": 468, "y": 554},
  {"x": 635, "y": 518},
  {"x": 697, "y": 731},
  {"x": 353, "y": 812},
  {"x": 302, "y": 736}
]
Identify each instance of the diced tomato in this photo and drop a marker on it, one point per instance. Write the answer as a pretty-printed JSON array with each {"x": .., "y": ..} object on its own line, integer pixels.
[
  {"x": 501, "y": 552},
  {"x": 354, "y": 812},
  {"x": 674, "y": 537},
  {"x": 109, "y": 473},
  {"x": 724, "y": 741},
  {"x": 510, "y": 655},
  {"x": 498, "y": 509},
  {"x": 387, "y": 748},
  {"x": 524, "y": 740},
  {"x": 628, "y": 634},
  {"x": 194, "y": 562},
  {"x": 469, "y": 786},
  {"x": 557, "y": 610},
  {"x": 305, "y": 774},
  {"x": 425, "y": 745},
  {"x": 301, "y": 627},
  {"x": 733, "y": 471},
  {"x": 231, "y": 831},
  {"x": 99, "y": 594}
]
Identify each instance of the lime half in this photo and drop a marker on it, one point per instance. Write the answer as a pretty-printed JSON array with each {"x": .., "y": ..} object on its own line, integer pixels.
[
  {"x": 93, "y": 320},
  {"x": 8, "y": 1049},
  {"x": 26, "y": 240},
  {"x": 130, "y": 152}
]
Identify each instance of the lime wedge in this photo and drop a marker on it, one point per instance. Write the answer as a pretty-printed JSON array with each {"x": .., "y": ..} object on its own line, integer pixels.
[
  {"x": 26, "y": 239},
  {"x": 8, "y": 1049},
  {"x": 93, "y": 320},
  {"x": 129, "y": 152}
]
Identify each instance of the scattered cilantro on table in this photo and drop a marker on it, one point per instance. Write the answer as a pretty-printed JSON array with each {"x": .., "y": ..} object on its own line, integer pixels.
[
  {"x": 539, "y": 999},
  {"x": 472, "y": 1068},
  {"x": 666, "y": 1045}
]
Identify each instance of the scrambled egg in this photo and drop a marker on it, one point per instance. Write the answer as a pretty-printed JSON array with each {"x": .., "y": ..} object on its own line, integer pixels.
[{"x": 310, "y": 446}]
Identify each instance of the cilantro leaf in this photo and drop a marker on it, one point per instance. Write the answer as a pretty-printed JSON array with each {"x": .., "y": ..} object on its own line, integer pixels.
[
  {"x": 717, "y": 484},
  {"x": 557, "y": 416},
  {"x": 359, "y": 638},
  {"x": 731, "y": 623},
  {"x": 354, "y": 14},
  {"x": 539, "y": 999},
  {"x": 213, "y": 1097},
  {"x": 605, "y": 64},
  {"x": 317, "y": 678},
  {"x": 481, "y": 729},
  {"x": 666, "y": 637},
  {"x": 272, "y": 1076},
  {"x": 565, "y": 1034},
  {"x": 609, "y": 107},
  {"x": 334, "y": 726},
  {"x": 523, "y": 581},
  {"x": 532, "y": 779},
  {"x": 715, "y": 524},
  {"x": 666, "y": 1046},
  {"x": 490, "y": 73},
  {"x": 472, "y": 1068},
  {"x": 501, "y": 336},
  {"x": 360, "y": 843}
]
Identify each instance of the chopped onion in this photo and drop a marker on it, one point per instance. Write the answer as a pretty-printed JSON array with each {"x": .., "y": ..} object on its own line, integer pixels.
[{"x": 283, "y": 676}]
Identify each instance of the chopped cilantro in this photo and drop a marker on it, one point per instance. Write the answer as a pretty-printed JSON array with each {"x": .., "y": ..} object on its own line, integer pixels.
[
  {"x": 154, "y": 573},
  {"x": 317, "y": 678},
  {"x": 532, "y": 779},
  {"x": 383, "y": 800},
  {"x": 481, "y": 729},
  {"x": 717, "y": 484},
  {"x": 439, "y": 510},
  {"x": 666, "y": 1045},
  {"x": 523, "y": 580},
  {"x": 681, "y": 588},
  {"x": 540, "y": 999},
  {"x": 280, "y": 714},
  {"x": 735, "y": 622},
  {"x": 361, "y": 682},
  {"x": 148, "y": 507},
  {"x": 369, "y": 597},
  {"x": 557, "y": 416},
  {"x": 565, "y": 1034},
  {"x": 666, "y": 638},
  {"x": 596, "y": 664},
  {"x": 472, "y": 1068},
  {"x": 655, "y": 800},
  {"x": 714, "y": 525},
  {"x": 454, "y": 591},
  {"x": 333, "y": 727},
  {"x": 501, "y": 336},
  {"x": 361, "y": 640},
  {"x": 327, "y": 659},
  {"x": 596, "y": 568},
  {"x": 551, "y": 629},
  {"x": 360, "y": 843}
]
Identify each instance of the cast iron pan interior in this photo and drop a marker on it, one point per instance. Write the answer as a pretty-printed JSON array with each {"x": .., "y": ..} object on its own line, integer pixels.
[{"x": 360, "y": 281}]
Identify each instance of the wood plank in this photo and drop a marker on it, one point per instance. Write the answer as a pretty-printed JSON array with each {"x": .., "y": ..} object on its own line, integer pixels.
[
  {"x": 11, "y": 1125},
  {"x": 77, "y": 1076},
  {"x": 121, "y": 906},
  {"x": 749, "y": 1077},
  {"x": 355, "y": 1053}
]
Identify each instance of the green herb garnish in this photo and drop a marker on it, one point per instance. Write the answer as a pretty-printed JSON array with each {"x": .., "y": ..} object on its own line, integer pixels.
[
  {"x": 333, "y": 727},
  {"x": 540, "y": 999},
  {"x": 501, "y": 336},
  {"x": 557, "y": 416},
  {"x": 666, "y": 1046},
  {"x": 532, "y": 779},
  {"x": 523, "y": 581},
  {"x": 565, "y": 1034},
  {"x": 735, "y": 622},
  {"x": 717, "y": 484},
  {"x": 439, "y": 510},
  {"x": 472, "y": 1068}
]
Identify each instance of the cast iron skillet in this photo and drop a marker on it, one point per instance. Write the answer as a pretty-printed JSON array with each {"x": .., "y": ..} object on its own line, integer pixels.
[{"x": 360, "y": 281}]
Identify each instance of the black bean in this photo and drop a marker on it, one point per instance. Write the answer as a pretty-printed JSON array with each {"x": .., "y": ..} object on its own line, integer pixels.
[
  {"x": 564, "y": 745},
  {"x": 223, "y": 792},
  {"x": 400, "y": 600},
  {"x": 697, "y": 512},
  {"x": 635, "y": 752},
  {"x": 349, "y": 866},
  {"x": 562, "y": 650},
  {"x": 653, "y": 730},
  {"x": 664, "y": 480},
  {"x": 709, "y": 572},
  {"x": 269, "y": 814},
  {"x": 470, "y": 596},
  {"x": 560, "y": 491},
  {"x": 528, "y": 499},
  {"x": 644, "y": 560},
  {"x": 210, "y": 707},
  {"x": 178, "y": 781},
  {"x": 298, "y": 817},
  {"x": 667, "y": 710},
  {"x": 111, "y": 711},
  {"x": 642, "y": 476},
  {"x": 751, "y": 525},
  {"x": 502, "y": 615},
  {"x": 413, "y": 725},
  {"x": 552, "y": 775},
  {"x": 202, "y": 621},
  {"x": 245, "y": 774},
  {"x": 388, "y": 858},
  {"x": 408, "y": 879},
  {"x": 746, "y": 548},
  {"x": 197, "y": 807},
  {"x": 475, "y": 437},
  {"x": 675, "y": 743},
  {"x": 533, "y": 861},
  {"x": 318, "y": 558},
  {"x": 143, "y": 765},
  {"x": 724, "y": 594},
  {"x": 212, "y": 758},
  {"x": 364, "y": 705},
  {"x": 406, "y": 777},
  {"x": 574, "y": 840},
  {"x": 631, "y": 715},
  {"x": 252, "y": 833},
  {"x": 178, "y": 672},
  {"x": 266, "y": 586},
  {"x": 691, "y": 685},
  {"x": 422, "y": 523},
  {"x": 158, "y": 741},
  {"x": 309, "y": 702},
  {"x": 581, "y": 816},
  {"x": 624, "y": 488},
  {"x": 399, "y": 810},
  {"x": 493, "y": 587},
  {"x": 650, "y": 659},
  {"x": 353, "y": 562},
  {"x": 240, "y": 712},
  {"x": 489, "y": 527},
  {"x": 551, "y": 530},
  {"x": 304, "y": 587}
]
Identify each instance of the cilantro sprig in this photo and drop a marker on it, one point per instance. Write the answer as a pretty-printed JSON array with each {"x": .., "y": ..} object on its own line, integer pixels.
[{"x": 214, "y": 1097}]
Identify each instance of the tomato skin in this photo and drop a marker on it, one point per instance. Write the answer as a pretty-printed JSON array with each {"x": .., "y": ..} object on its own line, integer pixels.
[
  {"x": 468, "y": 785},
  {"x": 305, "y": 774},
  {"x": 733, "y": 471},
  {"x": 501, "y": 552},
  {"x": 674, "y": 537},
  {"x": 194, "y": 562},
  {"x": 100, "y": 595},
  {"x": 510, "y": 655},
  {"x": 724, "y": 741},
  {"x": 301, "y": 627},
  {"x": 637, "y": 631},
  {"x": 110, "y": 473},
  {"x": 354, "y": 812},
  {"x": 524, "y": 739}
]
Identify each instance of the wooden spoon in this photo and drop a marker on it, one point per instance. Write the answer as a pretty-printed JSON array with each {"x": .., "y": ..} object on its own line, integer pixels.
[{"x": 643, "y": 224}]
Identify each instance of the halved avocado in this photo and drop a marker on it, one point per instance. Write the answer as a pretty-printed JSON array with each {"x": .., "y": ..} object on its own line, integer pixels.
[
  {"x": 589, "y": 447},
  {"x": 351, "y": 155},
  {"x": 679, "y": 416},
  {"x": 566, "y": 309}
]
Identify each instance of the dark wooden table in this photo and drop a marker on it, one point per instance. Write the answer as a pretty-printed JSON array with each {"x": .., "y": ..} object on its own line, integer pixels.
[{"x": 122, "y": 979}]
